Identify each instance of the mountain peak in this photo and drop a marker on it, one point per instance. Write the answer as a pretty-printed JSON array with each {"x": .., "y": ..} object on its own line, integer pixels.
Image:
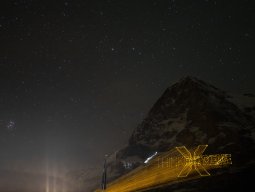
[
  {"x": 190, "y": 112},
  {"x": 190, "y": 83},
  {"x": 189, "y": 78}
]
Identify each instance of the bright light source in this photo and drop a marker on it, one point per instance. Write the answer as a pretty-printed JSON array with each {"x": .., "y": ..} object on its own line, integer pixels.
[{"x": 149, "y": 158}]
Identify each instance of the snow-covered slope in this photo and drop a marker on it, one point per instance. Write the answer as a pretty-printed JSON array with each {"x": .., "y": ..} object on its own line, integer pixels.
[
  {"x": 190, "y": 112},
  {"x": 245, "y": 102}
]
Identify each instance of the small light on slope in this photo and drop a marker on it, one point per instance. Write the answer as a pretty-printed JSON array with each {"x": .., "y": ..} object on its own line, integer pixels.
[{"x": 149, "y": 158}]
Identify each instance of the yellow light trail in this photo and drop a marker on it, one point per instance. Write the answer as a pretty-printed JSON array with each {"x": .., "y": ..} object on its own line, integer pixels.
[{"x": 166, "y": 168}]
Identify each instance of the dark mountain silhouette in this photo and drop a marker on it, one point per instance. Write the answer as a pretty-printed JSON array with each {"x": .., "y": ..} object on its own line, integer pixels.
[{"x": 192, "y": 112}]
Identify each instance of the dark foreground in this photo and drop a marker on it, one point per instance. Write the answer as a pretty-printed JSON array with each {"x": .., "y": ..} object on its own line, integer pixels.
[{"x": 238, "y": 181}]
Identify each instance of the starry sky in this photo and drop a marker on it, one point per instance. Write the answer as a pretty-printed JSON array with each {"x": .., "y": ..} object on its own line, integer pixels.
[{"x": 77, "y": 76}]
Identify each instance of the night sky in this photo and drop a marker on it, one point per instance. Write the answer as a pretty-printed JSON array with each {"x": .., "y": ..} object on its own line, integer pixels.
[{"x": 76, "y": 77}]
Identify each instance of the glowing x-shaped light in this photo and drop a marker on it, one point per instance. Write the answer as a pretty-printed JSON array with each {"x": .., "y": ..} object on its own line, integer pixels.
[{"x": 192, "y": 161}]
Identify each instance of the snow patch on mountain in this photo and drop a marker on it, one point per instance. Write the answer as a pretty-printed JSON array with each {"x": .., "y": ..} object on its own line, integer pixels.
[{"x": 190, "y": 112}]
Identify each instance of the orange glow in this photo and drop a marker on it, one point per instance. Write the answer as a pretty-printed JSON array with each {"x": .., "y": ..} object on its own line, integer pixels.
[{"x": 166, "y": 168}]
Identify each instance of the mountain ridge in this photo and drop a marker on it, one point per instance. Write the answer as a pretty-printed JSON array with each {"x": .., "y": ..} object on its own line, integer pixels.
[{"x": 190, "y": 112}]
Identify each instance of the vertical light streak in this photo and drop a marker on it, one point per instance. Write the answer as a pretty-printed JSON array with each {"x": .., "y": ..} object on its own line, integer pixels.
[{"x": 47, "y": 187}]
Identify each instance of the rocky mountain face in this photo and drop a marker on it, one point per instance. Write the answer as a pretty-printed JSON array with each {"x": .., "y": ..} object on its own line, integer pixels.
[{"x": 190, "y": 112}]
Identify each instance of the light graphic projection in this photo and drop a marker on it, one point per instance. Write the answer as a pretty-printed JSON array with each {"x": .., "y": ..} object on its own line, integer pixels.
[
  {"x": 198, "y": 161},
  {"x": 177, "y": 165}
]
